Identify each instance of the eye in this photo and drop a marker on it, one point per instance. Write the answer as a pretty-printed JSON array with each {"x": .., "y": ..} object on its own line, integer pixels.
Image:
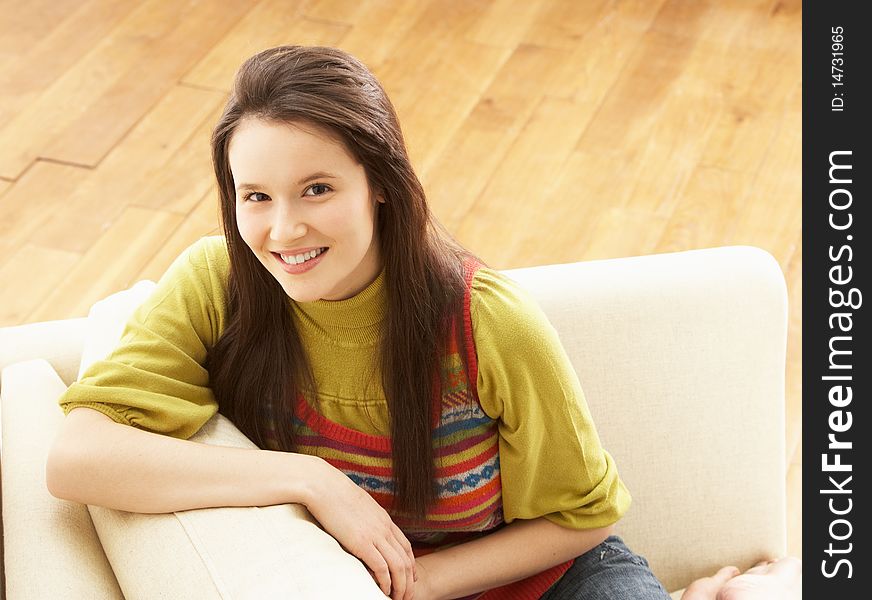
[
  {"x": 317, "y": 189},
  {"x": 256, "y": 197}
]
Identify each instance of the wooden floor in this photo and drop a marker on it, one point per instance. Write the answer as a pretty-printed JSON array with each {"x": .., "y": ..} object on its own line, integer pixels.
[{"x": 570, "y": 129}]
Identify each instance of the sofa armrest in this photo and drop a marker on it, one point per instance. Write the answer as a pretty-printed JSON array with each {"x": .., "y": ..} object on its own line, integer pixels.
[
  {"x": 51, "y": 549},
  {"x": 238, "y": 552},
  {"x": 54, "y": 551},
  {"x": 682, "y": 360},
  {"x": 60, "y": 343}
]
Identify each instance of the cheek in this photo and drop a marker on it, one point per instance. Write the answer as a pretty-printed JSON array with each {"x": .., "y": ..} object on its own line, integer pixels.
[
  {"x": 355, "y": 225},
  {"x": 247, "y": 227}
]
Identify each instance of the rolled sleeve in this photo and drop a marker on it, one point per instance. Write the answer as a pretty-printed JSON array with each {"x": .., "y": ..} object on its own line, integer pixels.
[
  {"x": 156, "y": 379},
  {"x": 551, "y": 461}
]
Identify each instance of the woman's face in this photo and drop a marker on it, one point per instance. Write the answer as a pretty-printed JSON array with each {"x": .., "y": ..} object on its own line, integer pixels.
[{"x": 304, "y": 207}]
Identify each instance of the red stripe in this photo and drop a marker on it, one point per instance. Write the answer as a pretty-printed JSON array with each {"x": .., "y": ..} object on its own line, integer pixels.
[
  {"x": 329, "y": 429},
  {"x": 374, "y": 470},
  {"x": 469, "y": 522},
  {"x": 530, "y": 588},
  {"x": 480, "y": 494},
  {"x": 466, "y": 465}
]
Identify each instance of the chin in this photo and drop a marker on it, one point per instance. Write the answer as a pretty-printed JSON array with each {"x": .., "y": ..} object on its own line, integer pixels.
[{"x": 298, "y": 295}]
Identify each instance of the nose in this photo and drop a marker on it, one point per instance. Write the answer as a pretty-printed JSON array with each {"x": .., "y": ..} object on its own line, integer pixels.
[{"x": 288, "y": 223}]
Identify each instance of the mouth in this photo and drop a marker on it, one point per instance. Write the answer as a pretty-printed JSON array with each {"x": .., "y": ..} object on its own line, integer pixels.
[
  {"x": 300, "y": 263},
  {"x": 299, "y": 259}
]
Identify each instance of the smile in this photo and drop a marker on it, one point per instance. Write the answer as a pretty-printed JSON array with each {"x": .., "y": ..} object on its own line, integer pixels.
[
  {"x": 301, "y": 258},
  {"x": 300, "y": 263}
]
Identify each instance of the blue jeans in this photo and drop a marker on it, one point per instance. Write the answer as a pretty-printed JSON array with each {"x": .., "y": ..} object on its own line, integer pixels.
[{"x": 609, "y": 571}]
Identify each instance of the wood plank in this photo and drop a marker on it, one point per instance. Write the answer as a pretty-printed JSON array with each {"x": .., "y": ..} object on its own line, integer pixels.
[
  {"x": 594, "y": 64},
  {"x": 56, "y": 50},
  {"x": 269, "y": 23},
  {"x": 204, "y": 220},
  {"x": 346, "y": 12},
  {"x": 463, "y": 170},
  {"x": 69, "y": 121},
  {"x": 588, "y": 185},
  {"x": 674, "y": 142},
  {"x": 623, "y": 231},
  {"x": 753, "y": 112},
  {"x": 139, "y": 89},
  {"x": 639, "y": 93},
  {"x": 722, "y": 22},
  {"x": 441, "y": 24},
  {"x": 33, "y": 200},
  {"x": 180, "y": 181},
  {"x": 563, "y": 25},
  {"x": 7, "y": 249},
  {"x": 446, "y": 98},
  {"x": 774, "y": 210},
  {"x": 31, "y": 272},
  {"x": 711, "y": 201},
  {"x": 512, "y": 205},
  {"x": 134, "y": 170},
  {"x": 25, "y": 23},
  {"x": 110, "y": 264},
  {"x": 505, "y": 23},
  {"x": 379, "y": 28},
  {"x": 47, "y": 116}
]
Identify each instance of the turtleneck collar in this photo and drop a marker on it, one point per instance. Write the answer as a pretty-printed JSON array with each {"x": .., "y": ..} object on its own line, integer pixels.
[{"x": 353, "y": 322}]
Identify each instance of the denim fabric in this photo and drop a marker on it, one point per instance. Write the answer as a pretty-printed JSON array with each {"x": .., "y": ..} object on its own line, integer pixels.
[{"x": 609, "y": 571}]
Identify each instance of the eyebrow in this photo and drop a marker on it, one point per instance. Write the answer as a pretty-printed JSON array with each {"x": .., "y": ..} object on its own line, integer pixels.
[{"x": 304, "y": 180}]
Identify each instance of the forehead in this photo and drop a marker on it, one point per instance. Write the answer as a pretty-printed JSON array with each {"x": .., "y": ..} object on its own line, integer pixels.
[{"x": 261, "y": 150}]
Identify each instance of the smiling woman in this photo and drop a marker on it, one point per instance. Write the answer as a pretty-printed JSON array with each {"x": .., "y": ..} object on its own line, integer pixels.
[{"x": 416, "y": 401}]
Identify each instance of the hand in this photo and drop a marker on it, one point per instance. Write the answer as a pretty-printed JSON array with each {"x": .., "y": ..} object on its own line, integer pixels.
[
  {"x": 769, "y": 580},
  {"x": 364, "y": 529}
]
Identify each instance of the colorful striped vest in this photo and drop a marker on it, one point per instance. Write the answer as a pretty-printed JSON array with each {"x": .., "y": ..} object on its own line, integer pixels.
[{"x": 466, "y": 455}]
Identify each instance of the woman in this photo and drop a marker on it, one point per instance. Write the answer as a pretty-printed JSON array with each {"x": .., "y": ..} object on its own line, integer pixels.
[{"x": 418, "y": 403}]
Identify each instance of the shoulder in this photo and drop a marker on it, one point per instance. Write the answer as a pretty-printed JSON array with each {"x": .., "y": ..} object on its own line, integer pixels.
[
  {"x": 194, "y": 287},
  {"x": 502, "y": 309},
  {"x": 208, "y": 252},
  {"x": 204, "y": 264}
]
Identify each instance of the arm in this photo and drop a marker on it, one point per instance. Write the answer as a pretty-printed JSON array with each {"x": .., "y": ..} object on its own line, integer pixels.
[
  {"x": 97, "y": 461},
  {"x": 493, "y": 560}
]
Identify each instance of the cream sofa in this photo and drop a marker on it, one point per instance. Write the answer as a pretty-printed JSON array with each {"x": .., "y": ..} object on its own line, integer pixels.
[{"x": 682, "y": 359}]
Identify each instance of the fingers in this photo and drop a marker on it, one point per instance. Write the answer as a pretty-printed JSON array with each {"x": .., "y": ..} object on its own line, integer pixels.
[
  {"x": 707, "y": 588},
  {"x": 397, "y": 564},
  {"x": 788, "y": 567},
  {"x": 377, "y": 565},
  {"x": 724, "y": 575},
  {"x": 407, "y": 549}
]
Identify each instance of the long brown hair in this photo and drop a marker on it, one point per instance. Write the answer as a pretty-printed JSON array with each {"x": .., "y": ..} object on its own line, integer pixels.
[{"x": 259, "y": 366}]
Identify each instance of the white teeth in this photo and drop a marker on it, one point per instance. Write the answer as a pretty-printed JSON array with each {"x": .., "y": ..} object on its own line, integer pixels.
[{"x": 301, "y": 258}]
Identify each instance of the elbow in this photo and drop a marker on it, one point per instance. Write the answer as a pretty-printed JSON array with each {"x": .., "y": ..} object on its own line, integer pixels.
[
  {"x": 65, "y": 466},
  {"x": 57, "y": 469}
]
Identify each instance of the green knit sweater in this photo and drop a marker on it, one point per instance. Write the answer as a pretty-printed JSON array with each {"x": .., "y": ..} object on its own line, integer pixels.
[{"x": 551, "y": 459}]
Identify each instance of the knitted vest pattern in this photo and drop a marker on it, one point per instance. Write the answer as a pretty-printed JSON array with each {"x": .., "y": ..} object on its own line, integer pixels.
[{"x": 466, "y": 455}]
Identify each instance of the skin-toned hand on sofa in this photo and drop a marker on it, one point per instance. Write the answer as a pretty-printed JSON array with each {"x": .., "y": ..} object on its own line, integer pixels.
[{"x": 769, "y": 580}]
